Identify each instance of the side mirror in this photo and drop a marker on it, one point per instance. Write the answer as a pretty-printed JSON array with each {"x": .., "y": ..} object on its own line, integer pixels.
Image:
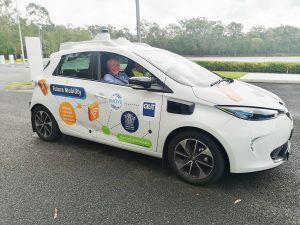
[{"x": 138, "y": 82}]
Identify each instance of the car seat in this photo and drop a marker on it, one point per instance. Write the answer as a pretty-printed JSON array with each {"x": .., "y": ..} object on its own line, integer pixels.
[{"x": 129, "y": 67}]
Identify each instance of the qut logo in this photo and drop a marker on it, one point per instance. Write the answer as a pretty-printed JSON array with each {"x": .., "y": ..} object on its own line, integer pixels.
[{"x": 149, "y": 109}]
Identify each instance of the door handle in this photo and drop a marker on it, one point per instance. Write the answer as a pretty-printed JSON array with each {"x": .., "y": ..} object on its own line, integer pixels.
[{"x": 100, "y": 95}]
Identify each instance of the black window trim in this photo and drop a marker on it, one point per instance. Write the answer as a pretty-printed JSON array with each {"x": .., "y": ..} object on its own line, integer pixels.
[{"x": 47, "y": 64}]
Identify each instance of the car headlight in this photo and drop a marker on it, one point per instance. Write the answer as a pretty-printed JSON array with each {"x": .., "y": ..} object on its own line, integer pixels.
[{"x": 250, "y": 113}]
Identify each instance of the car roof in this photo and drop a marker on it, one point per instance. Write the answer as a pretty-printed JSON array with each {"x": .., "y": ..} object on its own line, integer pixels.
[{"x": 101, "y": 42}]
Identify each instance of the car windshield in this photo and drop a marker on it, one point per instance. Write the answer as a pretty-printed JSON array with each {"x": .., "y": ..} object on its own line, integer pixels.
[{"x": 178, "y": 68}]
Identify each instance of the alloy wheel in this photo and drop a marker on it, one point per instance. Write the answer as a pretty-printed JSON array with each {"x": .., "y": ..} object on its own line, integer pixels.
[
  {"x": 193, "y": 158},
  {"x": 43, "y": 123}
]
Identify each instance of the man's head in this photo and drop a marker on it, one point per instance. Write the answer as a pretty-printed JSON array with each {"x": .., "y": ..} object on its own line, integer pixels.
[{"x": 113, "y": 66}]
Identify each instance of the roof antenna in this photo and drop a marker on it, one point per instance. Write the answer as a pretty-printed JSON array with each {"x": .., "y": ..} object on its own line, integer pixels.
[{"x": 104, "y": 35}]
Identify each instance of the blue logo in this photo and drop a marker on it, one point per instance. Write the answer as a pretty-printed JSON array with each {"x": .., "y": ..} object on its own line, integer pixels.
[
  {"x": 67, "y": 91},
  {"x": 130, "y": 122},
  {"x": 149, "y": 109}
]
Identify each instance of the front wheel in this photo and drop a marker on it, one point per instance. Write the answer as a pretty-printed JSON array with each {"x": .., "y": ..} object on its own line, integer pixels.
[
  {"x": 45, "y": 124},
  {"x": 196, "y": 158}
]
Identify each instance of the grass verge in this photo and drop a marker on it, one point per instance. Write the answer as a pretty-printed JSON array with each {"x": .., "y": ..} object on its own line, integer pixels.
[
  {"x": 19, "y": 85},
  {"x": 252, "y": 67},
  {"x": 234, "y": 75}
]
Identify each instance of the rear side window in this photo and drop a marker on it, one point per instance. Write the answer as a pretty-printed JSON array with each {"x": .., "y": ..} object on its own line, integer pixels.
[{"x": 77, "y": 65}]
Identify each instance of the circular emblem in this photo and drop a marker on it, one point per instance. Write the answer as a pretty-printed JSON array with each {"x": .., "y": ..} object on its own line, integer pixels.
[
  {"x": 130, "y": 122},
  {"x": 116, "y": 101}
]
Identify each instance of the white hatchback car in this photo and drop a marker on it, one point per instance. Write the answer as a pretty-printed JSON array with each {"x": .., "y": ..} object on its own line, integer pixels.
[{"x": 200, "y": 123}]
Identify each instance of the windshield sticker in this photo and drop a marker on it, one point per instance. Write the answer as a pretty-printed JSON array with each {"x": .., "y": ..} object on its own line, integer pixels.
[
  {"x": 130, "y": 122},
  {"x": 43, "y": 86},
  {"x": 134, "y": 140},
  {"x": 93, "y": 111},
  {"x": 116, "y": 101},
  {"x": 67, "y": 113},
  {"x": 67, "y": 91},
  {"x": 230, "y": 93}
]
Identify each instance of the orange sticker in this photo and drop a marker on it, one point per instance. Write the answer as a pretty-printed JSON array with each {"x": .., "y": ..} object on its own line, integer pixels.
[
  {"x": 43, "y": 86},
  {"x": 67, "y": 113},
  {"x": 231, "y": 94},
  {"x": 93, "y": 111}
]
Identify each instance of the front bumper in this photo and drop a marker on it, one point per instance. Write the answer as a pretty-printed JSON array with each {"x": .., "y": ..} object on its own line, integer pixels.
[{"x": 257, "y": 145}]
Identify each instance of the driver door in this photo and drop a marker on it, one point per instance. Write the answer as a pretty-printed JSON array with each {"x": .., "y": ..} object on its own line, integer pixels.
[{"x": 128, "y": 118}]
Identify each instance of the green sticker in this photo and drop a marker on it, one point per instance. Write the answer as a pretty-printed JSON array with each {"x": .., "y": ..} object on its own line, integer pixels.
[
  {"x": 105, "y": 130},
  {"x": 134, "y": 140}
]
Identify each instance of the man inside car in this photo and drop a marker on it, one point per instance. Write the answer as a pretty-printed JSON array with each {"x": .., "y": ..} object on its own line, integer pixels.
[{"x": 114, "y": 75}]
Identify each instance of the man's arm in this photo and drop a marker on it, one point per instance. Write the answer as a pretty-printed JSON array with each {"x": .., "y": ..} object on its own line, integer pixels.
[
  {"x": 125, "y": 78},
  {"x": 111, "y": 79}
]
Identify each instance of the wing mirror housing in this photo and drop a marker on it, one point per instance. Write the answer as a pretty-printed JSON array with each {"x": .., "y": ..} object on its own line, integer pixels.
[{"x": 140, "y": 82}]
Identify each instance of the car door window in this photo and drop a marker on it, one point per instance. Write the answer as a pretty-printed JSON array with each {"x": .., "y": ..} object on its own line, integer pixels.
[
  {"x": 76, "y": 65},
  {"x": 126, "y": 66}
]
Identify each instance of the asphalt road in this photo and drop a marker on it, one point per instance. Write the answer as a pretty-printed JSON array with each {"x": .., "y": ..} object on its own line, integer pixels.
[{"x": 90, "y": 183}]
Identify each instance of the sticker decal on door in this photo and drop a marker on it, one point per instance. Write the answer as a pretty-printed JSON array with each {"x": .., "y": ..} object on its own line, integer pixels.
[
  {"x": 134, "y": 140},
  {"x": 149, "y": 109},
  {"x": 130, "y": 122},
  {"x": 43, "y": 86},
  {"x": 67, "y": 91},
  {"x": 116, "y": 101},
  {"x": 93, "y": 111},
  {"x": 67, "y": 113}
]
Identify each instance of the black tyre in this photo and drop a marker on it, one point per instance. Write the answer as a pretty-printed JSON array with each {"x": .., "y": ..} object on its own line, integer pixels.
[
  {"x": 196, "y": 158},
  {"x": 45, "y": 124}
]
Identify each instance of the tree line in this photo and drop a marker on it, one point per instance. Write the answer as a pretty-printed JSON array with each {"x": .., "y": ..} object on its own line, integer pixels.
[{"x": 193, "y": 37}]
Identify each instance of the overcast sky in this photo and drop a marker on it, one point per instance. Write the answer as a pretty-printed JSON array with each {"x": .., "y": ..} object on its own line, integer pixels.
[{"x": 121, "y": 13}]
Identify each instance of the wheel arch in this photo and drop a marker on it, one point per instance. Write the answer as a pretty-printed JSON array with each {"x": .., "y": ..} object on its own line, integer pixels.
[
  {"x": 180, "y": 129},
  {"x": 36, "y": 105}
]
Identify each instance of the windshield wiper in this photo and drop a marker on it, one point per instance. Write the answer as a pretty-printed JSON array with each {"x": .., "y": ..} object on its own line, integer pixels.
[{"x": 228, "y": 80}]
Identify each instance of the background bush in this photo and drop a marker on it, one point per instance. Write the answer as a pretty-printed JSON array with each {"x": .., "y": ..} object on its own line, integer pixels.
[{"x": 258, "y": 67}]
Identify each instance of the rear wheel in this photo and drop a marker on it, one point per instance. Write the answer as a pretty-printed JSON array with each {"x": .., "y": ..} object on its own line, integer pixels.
[
  {"x": 196, "y": 158},
  {"x": 44, "y": 124}
]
